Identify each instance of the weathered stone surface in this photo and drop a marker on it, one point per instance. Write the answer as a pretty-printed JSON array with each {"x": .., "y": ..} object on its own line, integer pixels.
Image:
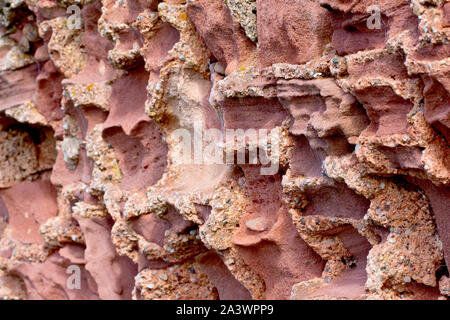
[{"x": 349, "y": 198}]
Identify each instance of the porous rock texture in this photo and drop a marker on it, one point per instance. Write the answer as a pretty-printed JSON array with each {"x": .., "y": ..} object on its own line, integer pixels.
[{"x": 89, "y": 170}]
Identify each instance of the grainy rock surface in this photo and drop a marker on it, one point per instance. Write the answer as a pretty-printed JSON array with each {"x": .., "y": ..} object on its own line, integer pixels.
[{"x": 97, "y": 201}]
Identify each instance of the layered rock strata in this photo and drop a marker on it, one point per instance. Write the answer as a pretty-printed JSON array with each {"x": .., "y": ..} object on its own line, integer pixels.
[{"x": 98, "y": 200}]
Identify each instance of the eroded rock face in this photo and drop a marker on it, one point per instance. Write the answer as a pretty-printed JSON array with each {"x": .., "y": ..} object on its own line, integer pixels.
[{"x": 120, "y": 177}]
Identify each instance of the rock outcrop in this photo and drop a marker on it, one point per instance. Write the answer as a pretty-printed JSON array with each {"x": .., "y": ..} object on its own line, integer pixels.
[{"x": 224, "y": 149}]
